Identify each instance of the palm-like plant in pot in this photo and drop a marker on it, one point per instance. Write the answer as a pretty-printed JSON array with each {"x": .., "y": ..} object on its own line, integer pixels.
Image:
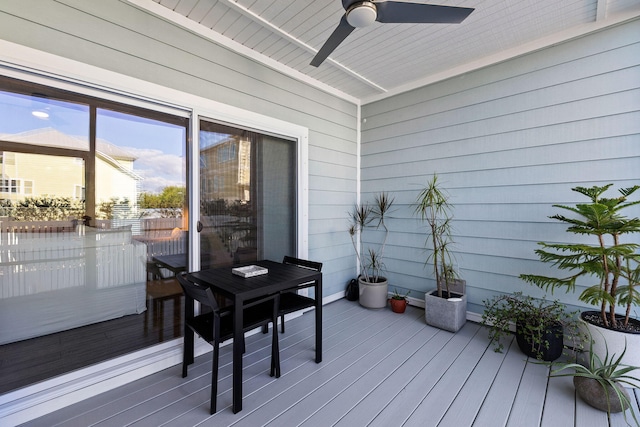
[
  {"x": 615, "y": 266},
  {"x": 373, "y": 287},
  {"x": 446, "y": 307}
]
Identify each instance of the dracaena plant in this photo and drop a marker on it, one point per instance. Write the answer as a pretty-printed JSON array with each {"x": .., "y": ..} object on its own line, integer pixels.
[
  {"x": 370, "y": 216},
  {"x": 434, "y": 208},
  {"x": 613, "y": 263}
]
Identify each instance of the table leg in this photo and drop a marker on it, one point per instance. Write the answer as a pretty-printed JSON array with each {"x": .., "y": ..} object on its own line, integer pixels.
[
  {"x": 318, "y": 320},
  {"x": 237, "y": 355}
]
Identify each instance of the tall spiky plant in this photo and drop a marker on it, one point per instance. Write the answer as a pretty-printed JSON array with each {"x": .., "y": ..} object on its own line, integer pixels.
[
  {"x": 363, "y": 216},
  {"x": 609, "y": 260},
  {"x": 434, "y": 208}
]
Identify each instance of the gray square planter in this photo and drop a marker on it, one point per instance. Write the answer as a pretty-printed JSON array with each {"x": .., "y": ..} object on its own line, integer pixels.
[{"x": 448, "y": 314}]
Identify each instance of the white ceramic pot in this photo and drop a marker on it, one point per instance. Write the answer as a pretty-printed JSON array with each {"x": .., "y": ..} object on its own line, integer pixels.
[
  {"x": 615, "y": 344},
  {"x": 373, "y": 295}
]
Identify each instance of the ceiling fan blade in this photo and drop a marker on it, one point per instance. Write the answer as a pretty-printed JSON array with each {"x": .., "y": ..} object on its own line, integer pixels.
[
  {"x": 417, "y": 13},
  {"x": 339, "y": 34}
]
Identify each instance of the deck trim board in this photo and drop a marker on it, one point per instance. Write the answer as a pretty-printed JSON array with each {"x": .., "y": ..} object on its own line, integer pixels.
[{"x": 377, "y": 366}]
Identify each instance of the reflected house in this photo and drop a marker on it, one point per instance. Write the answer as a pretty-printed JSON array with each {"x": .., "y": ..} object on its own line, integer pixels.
[
  {"x": 226, "y": 188},
  {"x": 231, "y": 177},
  {"x": 30, "y": 175}
]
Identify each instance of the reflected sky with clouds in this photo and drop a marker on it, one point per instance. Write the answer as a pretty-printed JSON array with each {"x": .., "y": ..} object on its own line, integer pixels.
[{"x": 159, "y": 147}]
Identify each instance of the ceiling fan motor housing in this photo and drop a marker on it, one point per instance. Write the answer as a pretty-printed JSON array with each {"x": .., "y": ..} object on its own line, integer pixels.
[{"x": 362, "y": 14}]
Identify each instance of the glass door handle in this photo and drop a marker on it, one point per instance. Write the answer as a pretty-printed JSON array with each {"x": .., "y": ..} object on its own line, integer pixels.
[{"x": 199, "y": 227}]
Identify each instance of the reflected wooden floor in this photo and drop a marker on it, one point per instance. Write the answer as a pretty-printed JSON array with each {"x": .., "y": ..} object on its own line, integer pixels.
[
  {"x": 379, "y": 369},
  {"x": 29, "y": 361}
]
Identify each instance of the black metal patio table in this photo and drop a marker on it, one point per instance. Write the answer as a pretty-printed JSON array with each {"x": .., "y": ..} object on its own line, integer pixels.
[{"x": 240, "y": 289}]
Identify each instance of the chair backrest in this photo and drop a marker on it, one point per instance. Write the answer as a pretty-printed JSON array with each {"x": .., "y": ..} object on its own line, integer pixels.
[
  {"x": 311, "y": 265},
  {"x": 195, "y": 292}
]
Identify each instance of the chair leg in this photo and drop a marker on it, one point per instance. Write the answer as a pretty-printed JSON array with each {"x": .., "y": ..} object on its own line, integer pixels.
[
  {"x": 187, "y": 352},
  {"x": 275, "y": 354},
  {"x": 265, "y": 329},
  {"x": 214, "y": 377},
  {"x": 282, "y": 323}
]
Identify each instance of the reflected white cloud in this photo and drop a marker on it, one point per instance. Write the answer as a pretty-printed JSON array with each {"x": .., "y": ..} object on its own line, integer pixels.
[{"x": 158, "y": 169}]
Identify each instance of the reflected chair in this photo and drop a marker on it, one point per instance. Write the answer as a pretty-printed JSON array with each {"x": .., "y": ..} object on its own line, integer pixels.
[
  {"x": 290, "y": 300},
  {"x": 159, "y": 292},
  {"x": 153, "y": 271},
  {"x": 215, "y": 325}
]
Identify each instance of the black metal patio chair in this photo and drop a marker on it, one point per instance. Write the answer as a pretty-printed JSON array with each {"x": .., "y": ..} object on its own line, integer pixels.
[{"x": 215, "y": 325}]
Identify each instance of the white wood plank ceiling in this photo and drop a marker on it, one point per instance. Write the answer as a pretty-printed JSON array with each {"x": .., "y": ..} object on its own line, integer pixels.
[{"x": 383, "y": 59}]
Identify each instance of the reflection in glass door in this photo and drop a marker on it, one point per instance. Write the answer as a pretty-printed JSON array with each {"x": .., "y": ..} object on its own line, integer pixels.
[
  {"x": 247, "y": 196},
  {"x": 140, "y": 189},
  {"x": 92, "y": 195}
]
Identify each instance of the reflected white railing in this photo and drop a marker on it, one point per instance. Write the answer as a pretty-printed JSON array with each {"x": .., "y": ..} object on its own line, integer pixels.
[{"x": 52, "y": 281}]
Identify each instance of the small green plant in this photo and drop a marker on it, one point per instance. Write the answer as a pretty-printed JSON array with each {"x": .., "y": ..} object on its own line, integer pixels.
[
  {"x": 607, "y": 373},
  {"x": 370, "y": 216},
  {"x": 397, "y": 295},
  {"x": 533, "y": 316}
]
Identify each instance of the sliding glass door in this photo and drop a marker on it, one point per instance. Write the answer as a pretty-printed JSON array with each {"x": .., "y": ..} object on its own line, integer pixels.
[
  {"x": 94, "y": 223},
  {"x": 247, "y": 195}
]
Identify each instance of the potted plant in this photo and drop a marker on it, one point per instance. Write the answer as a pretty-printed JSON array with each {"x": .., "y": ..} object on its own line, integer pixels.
[
  {"x": 373, "y": 287},
  {"x": 398, "y": 301},
  {"x": 600, "y": 382},
  {"x": 540, "y": 325},
  {"x": 446, "y": 306},
  {"x": 614, "y": 265}
]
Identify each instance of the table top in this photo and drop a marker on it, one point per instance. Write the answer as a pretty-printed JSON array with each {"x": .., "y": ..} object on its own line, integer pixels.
[{"x": 280, "y": 277}]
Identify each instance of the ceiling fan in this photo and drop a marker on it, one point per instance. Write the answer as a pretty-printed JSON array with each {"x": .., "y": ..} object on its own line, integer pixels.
[{"x": 364, "y": 13}]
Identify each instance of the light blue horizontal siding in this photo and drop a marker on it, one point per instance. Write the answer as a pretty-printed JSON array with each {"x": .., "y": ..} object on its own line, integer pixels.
[{"x": 508, "y": 141}]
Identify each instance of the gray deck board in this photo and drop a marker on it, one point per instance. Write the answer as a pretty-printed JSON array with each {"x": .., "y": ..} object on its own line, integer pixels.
[
  {"x": 528, "y": 404},
  {"x": 464, "y": 409},
  {"x": 560, "y": 403},
  {"x": 436, "y": 404},
  {"x": 379, "y": 369},
  {"x": 378, "y": 399},
  {"x": 410, "y": 398},
  {"x": 371, "y": 362}
]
